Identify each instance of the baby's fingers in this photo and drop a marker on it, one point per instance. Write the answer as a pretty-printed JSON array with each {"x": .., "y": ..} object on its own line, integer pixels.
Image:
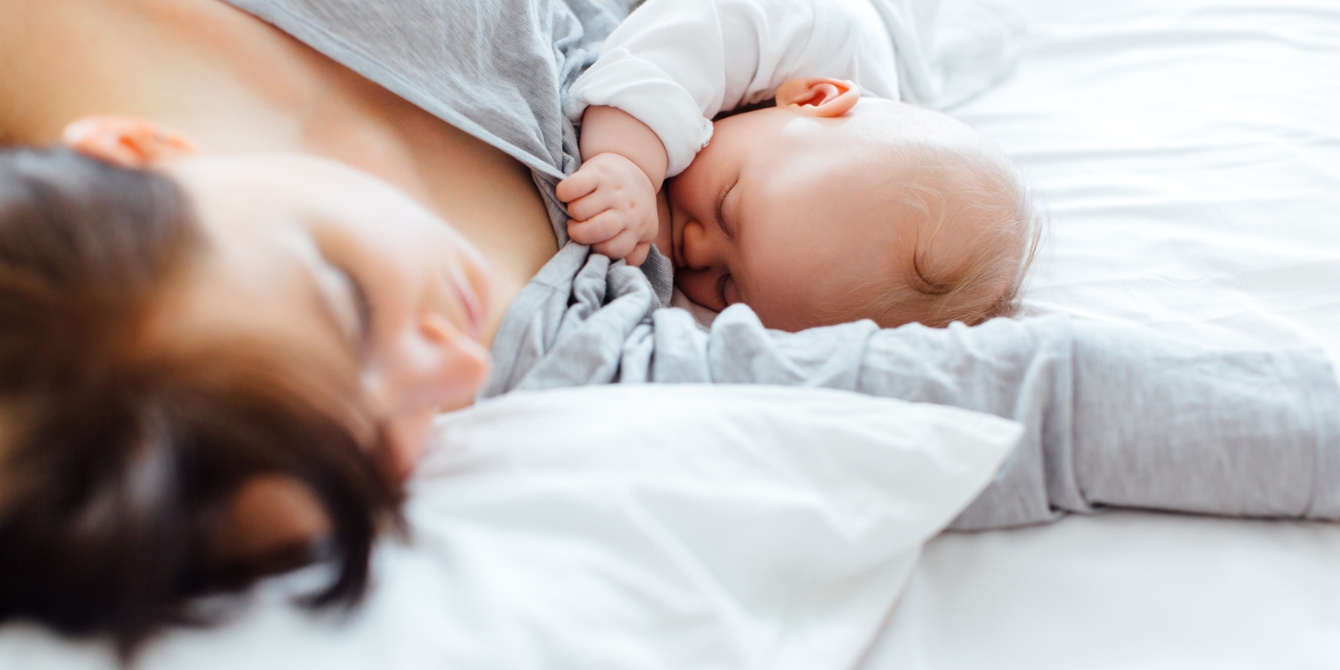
[
  {"x": 589, "y": 206},
  {"x": 597, "y": 229},
  {"x": 639, "y": 254},
  {"x": 582, "y": 182},
  {"x": 619, "y": 247}
]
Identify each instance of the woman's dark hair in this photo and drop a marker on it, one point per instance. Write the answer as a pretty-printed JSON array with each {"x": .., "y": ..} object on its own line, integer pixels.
[{"x": 119, "y": 465}]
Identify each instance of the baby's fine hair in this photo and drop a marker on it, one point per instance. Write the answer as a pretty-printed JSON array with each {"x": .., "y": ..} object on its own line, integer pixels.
[{"x": 974, "y": 183}]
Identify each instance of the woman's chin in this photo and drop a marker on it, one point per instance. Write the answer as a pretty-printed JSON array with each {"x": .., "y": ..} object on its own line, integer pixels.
[{"x": 407, "y": 438}]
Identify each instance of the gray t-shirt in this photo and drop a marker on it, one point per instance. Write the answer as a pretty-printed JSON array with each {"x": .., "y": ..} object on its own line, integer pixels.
[{"x": 1112, "y": 416}]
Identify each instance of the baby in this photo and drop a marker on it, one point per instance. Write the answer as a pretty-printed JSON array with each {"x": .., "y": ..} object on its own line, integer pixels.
[{"x": 820, "y": 198}]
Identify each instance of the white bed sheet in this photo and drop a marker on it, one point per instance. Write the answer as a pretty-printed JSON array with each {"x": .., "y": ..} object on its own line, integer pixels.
[
  {"x": 1189, "y": 152},
  {"x": 547, "y": 535}
]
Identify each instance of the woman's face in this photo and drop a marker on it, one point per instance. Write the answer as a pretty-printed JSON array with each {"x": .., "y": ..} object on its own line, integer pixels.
[{"x": 323, "y": 257}]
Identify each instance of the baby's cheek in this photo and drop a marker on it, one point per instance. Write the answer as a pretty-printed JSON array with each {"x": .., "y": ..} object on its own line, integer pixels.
[{"x": 665, "y": 229}]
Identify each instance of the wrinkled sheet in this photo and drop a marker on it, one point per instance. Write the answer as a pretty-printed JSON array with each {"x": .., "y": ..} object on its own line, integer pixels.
[
  {"x": 629, "y": 528},
  {"x": 1189, "y": 153}
]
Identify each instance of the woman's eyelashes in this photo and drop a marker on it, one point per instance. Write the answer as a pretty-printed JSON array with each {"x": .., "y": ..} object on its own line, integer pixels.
[
  {"x": 348, "y": 302},
  {"x": 362, "y": 305}
]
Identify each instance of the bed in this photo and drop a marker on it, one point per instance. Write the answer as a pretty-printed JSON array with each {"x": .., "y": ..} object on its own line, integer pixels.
[{"x": 1189, "y": 154}]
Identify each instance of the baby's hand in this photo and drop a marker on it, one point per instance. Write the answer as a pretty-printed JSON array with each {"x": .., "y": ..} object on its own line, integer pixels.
[{"x": 612, "y": 207}]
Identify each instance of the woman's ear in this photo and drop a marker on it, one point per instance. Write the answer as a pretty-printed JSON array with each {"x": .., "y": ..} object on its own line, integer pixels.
[
  {"x": 128, "y": 141},
  {"x": 270, "y": 516},
  {"x": 818, "y": 96}
]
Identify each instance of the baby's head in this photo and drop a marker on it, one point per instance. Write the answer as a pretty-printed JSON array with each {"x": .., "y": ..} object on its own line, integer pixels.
[{"x": 826, "y": 209}]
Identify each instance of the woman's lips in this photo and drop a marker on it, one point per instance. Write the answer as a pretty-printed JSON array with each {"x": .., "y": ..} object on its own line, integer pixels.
[
  {"x": 472, "y": 288},
  {"x": 471, "y": 307},
  {"x": 472, "y": 311}
]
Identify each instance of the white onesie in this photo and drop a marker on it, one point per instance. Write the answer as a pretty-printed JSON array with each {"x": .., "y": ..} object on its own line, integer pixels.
[{"x": 676, "y": 64}]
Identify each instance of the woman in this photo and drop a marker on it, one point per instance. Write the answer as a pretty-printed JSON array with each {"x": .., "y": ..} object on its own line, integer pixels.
[{"x": 220, "y": 357}]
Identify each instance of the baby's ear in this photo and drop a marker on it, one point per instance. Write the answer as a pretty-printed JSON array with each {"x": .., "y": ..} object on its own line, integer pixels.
[
  {"x": 818, "y": 96},
  {"x": 128, "y": 141}
]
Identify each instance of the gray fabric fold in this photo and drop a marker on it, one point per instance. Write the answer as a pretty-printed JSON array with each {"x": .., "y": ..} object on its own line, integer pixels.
[{"x": 1113, "y": 416}]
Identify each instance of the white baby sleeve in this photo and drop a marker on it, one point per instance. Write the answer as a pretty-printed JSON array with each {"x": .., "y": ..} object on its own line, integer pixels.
[{"x": 675, "y": 64}]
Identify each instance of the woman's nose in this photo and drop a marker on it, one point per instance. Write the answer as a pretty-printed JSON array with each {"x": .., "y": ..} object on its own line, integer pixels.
[
  {"x": 454, "y": 366},
  {"x": 438, "y": 368}
]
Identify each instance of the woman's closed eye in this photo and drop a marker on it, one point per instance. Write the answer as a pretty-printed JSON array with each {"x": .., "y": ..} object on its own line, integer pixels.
[
  {"x": 362, "y": 305},
  {"x": 348, "y": 303}
]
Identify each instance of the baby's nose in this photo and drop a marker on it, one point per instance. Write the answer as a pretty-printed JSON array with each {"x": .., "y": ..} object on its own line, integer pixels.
[{"x": 697, "y": 249}]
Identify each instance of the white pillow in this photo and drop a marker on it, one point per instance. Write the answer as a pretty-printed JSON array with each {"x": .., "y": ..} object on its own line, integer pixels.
[{"x": 629, "y": 527}]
